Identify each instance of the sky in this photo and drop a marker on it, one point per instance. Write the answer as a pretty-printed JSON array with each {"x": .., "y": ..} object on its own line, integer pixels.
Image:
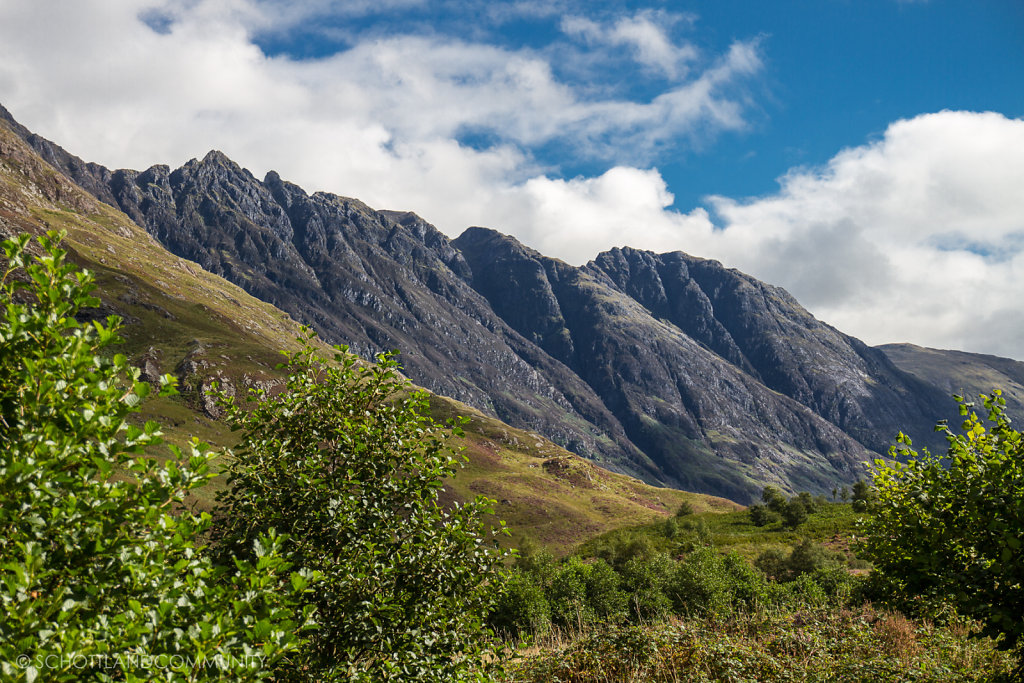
[{"x": 867, "y": 155}]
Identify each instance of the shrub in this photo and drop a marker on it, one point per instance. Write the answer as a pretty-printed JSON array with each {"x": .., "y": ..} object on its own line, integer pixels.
[
  {"x": 604, "y": 594},
  {"x": 794, "y": 513},
  {"x": 347, "y": 462},
  {"x": 808, "y": 556},
  {"x": 810, "y": 503},
  {"x": 685, "y": 509},
  {"x": 98, "y": 577},
  {"x": 774, "y": 499},
  {"x": 774, "y": 562},
  {"x": 567, "y": 595},
  {"x": 645, "y": 580},
  {"x": 521, "y": 608},
  {"x": 953, "y": 528},
  {"x": 706, "y": 583},
  {"x": 761, "y": 515},
  {"x": 862, "y": 495},
  {"x": 670, "y": 528}
]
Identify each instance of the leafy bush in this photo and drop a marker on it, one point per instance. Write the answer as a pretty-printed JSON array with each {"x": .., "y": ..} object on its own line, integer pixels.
[
  {"x": 567, "y": 595},
  {"x": 685, "y": 509},
  {"x": 620, "y": 548},
  {"x": 605, "y": 596},
  {"x": 706, "y": 583},
  {"x": 862, "y": 495},
  {"x": 808, "y": 557},
  {"x": 521, "y": 608},
  {"x": 347, "y": 462},
  {"x": 794, "y": 513},
  {"x": 774, "y": 499},
  {"x": 953, "y": 528},
  {"x": 645, "y": 580},
  {"x": 98, "y": 575},
  {"x": 761, "y": 515},
  {"x": 774, "y": 563}
]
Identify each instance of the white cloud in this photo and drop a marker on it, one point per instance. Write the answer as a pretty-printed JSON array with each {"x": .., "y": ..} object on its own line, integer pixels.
[
  {"x": 645, "y": 33},
  {"x": 366, "y": 121}
]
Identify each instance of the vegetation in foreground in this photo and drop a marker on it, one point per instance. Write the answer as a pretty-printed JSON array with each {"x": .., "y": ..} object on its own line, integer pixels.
[
  {"x": 811, "y": 643},
  {"x": 334, "y": 559},
  {"x": 331, "y": 559}
]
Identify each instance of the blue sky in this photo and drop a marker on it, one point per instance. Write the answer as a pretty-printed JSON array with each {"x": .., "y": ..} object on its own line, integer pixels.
[
  {"x": 868, "y": 155},
  {"x": 835, "y": 72}
]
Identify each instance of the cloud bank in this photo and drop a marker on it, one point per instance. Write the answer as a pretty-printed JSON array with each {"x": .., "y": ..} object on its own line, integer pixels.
[{"x": 915, "y": 236}]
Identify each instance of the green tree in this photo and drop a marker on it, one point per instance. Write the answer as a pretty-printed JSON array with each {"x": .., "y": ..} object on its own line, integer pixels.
[
  {"x": 862, "y": 495},
  {"x": 794, "y": 513},
  {"x": 953, "y": 528},
  {"x": 101, "y": 571},
  {"x": 347, "y": 462},
  {"x": 760, "y": 515},
  {"x": 774, "y": 499}
]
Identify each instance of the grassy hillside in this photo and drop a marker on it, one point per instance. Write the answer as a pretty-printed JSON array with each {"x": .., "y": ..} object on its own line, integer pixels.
[
  {"x": 182, "y": 320},
  {"x": 833, "y": 526}
]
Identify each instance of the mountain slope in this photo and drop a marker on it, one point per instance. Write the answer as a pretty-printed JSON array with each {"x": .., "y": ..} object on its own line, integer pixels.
[
  {"x": 182, "y": 320},
  {"x": 707, "y": 424},
  {"x": 668, "y": 367},
  {"x": 963, "y": 373},
  {"x": 762, "y": 329}
]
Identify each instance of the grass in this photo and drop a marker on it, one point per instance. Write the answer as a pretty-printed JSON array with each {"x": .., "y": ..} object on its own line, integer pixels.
[
  {"x": 834, "y": 526},
  {"x": 862, "y": 644}
]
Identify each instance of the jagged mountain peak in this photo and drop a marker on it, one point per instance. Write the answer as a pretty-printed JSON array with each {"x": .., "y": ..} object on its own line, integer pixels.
[{"x": 670, "y": 367}]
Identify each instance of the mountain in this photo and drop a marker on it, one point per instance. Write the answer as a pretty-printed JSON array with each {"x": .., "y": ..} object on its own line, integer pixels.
[
  {"x": 183, "y": 320},
  {"x": 962, "y": 373},
  {"x": 668, "y": 367}
]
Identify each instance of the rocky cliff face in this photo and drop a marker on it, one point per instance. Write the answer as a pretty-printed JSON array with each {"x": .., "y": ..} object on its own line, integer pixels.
[
  {"x": 669, "y": 367},
  {"x": 764, "y": 331}
]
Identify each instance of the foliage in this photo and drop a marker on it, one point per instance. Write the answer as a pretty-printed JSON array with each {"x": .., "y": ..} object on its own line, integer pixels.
[
  {"x": 567, "y": 595},
  {"x": 102, "y": 574},
  {"x": 774, "y": 499},
  {"x": 794, "y": 513},
  {"x": 521, "y": 608},
  {"x": 708, "y": 583},
  {"x": 953, "y": 528},
  {"x": 806, "y": 557},
  {"x": 761, "y": 515},
  {"x": 645, "y": 580},
  {"x": 345, "y": 460},
  {"x": 604, "y": 593},
  {"x": 861, "y": 495},
  {"x": 685, "y": 509},
  {"x": 778, "y": 644}
]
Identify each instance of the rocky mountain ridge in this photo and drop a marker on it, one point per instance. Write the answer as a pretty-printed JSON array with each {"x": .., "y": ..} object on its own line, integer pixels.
[{"x": 669, "y": 367}]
